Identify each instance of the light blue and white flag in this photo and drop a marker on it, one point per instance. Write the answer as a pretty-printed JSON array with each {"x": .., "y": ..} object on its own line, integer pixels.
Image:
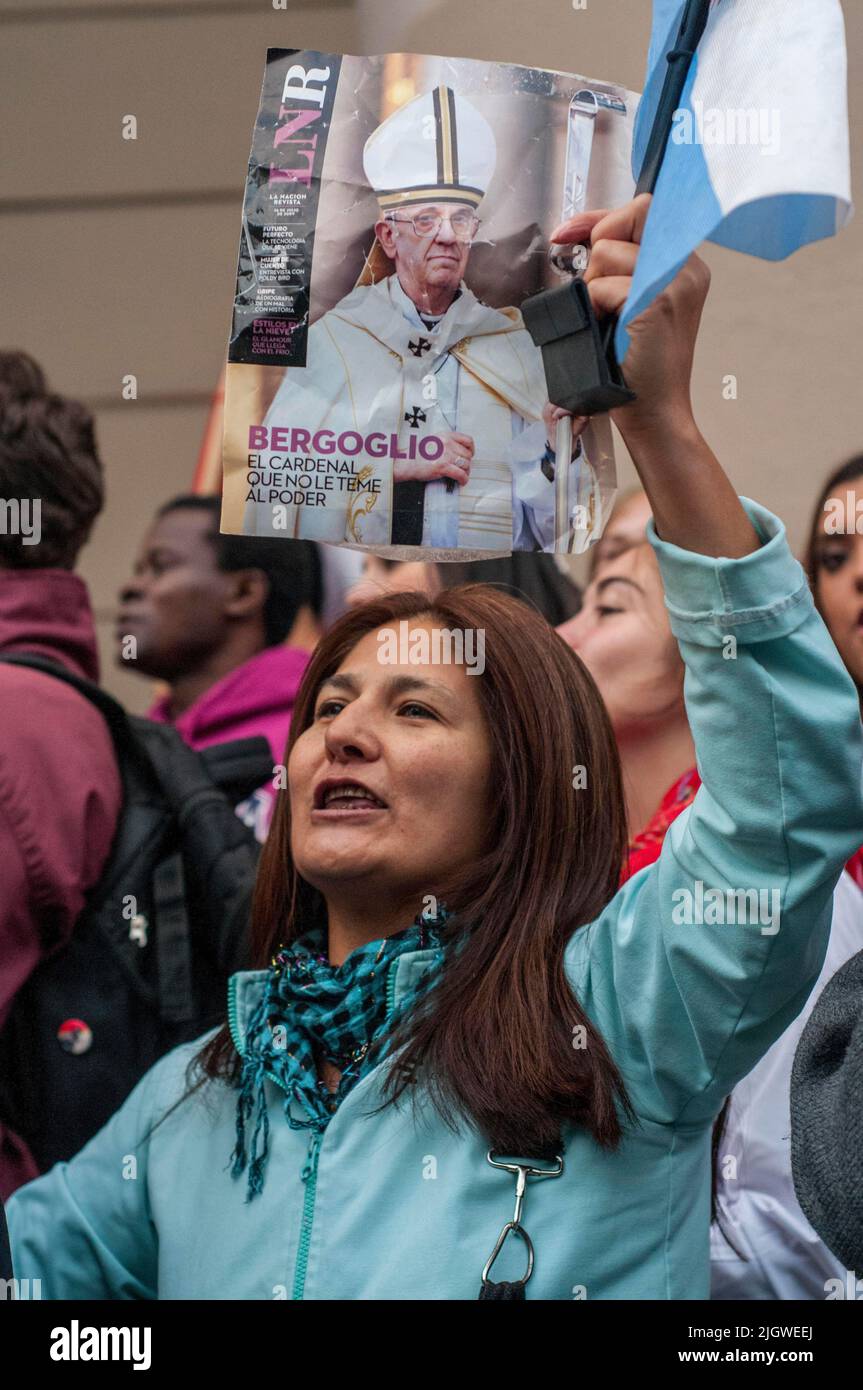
[{"x": 758, "y": 158}]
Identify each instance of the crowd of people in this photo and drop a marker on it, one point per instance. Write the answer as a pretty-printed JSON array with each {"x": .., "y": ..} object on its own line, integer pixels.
[{"x": 304, "y": 972}]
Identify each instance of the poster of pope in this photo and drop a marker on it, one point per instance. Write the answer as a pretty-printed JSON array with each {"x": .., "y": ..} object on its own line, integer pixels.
[{"x": 420, "y": 423}]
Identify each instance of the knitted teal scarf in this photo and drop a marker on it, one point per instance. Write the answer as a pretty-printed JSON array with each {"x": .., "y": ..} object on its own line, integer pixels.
[{"x": 312, "y": 1011}]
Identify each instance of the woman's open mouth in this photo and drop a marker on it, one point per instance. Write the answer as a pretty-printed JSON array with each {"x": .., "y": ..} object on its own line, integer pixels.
[{"x": 337, "y": 797}]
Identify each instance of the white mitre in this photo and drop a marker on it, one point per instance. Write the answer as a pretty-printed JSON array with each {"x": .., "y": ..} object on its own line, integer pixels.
[{"x": 436, "y": 148}]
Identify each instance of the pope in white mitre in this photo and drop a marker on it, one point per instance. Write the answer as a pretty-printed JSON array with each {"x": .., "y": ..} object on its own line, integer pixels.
[{"x": 412, "y": 352}]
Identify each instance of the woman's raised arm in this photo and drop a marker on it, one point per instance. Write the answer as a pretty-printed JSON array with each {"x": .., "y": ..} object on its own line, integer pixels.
[
  {"x": 701, "y": 961},
  {"x": 694, "y": 504}
]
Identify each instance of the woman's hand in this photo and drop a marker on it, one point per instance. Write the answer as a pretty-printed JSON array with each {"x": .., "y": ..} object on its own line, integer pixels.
[
  {"x": 453, "y": 463},
  {"x": 693, "y": 502},
  {"x": 662, "y": 339}
]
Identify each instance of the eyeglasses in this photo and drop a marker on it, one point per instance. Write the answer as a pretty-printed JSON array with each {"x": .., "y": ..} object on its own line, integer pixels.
[{"x": 427, "y": 224}]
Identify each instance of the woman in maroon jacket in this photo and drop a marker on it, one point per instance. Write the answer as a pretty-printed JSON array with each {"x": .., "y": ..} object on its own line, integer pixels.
[{"x": 59, "y": 785}]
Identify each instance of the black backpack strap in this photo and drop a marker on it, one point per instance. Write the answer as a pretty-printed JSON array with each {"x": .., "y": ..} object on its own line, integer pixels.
[
  {"x": 219, "y": 853},
  {"x": 174, "y": 956},
  {"x": 239, "y": 767}
]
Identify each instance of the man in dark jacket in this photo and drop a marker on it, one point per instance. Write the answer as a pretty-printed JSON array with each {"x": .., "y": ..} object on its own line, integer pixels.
[{"x": 60, "y": 792}]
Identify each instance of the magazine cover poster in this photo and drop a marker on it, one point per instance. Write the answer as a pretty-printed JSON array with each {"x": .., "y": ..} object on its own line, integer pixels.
[{"x": 382, "y": 391}]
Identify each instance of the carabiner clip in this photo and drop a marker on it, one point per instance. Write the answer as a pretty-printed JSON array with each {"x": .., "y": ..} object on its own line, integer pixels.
[
  {"x": 514, "y": 1228},
  {"x": 523, "y": 1171}
]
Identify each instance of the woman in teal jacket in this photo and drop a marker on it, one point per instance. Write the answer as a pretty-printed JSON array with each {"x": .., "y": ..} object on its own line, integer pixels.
[{"x": 335, "y": 1142}]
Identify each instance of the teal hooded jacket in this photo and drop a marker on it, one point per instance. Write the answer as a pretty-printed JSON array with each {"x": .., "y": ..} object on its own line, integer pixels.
[{"x": 690, "y": 973}]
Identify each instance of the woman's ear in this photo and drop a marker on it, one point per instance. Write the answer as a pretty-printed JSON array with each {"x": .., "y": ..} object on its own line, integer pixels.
[{"x": 247, "y": 593}]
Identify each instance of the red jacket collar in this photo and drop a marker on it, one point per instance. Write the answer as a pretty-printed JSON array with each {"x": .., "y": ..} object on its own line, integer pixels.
[{"x": 47, "y": 612}]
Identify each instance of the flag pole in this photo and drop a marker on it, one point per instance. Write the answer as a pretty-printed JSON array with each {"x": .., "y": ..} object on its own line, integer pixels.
[{"x": 679, "y": 59}]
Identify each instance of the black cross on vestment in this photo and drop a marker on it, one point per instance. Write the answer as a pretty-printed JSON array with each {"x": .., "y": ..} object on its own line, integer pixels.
[
  {"x": 420, "y": 347},
  {"x": 414, "y": 416}
]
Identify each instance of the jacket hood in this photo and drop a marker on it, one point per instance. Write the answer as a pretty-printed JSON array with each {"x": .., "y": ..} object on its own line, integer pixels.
[
  {"x": 255, "y": 698},
  {"x": 47, "y": 612}
]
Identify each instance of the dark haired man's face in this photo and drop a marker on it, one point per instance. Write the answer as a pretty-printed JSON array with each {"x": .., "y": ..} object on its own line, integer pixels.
[{"x": 175, "y": 605}]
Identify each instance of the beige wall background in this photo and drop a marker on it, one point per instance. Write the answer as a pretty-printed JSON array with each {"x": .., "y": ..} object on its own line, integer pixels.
[{"x": 118, "y": 257}]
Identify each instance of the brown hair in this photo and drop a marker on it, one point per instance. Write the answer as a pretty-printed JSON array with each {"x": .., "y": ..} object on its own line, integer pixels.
[
  {"x": 496, "y": 1042},
  {"x": 48, "y": 454}
]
